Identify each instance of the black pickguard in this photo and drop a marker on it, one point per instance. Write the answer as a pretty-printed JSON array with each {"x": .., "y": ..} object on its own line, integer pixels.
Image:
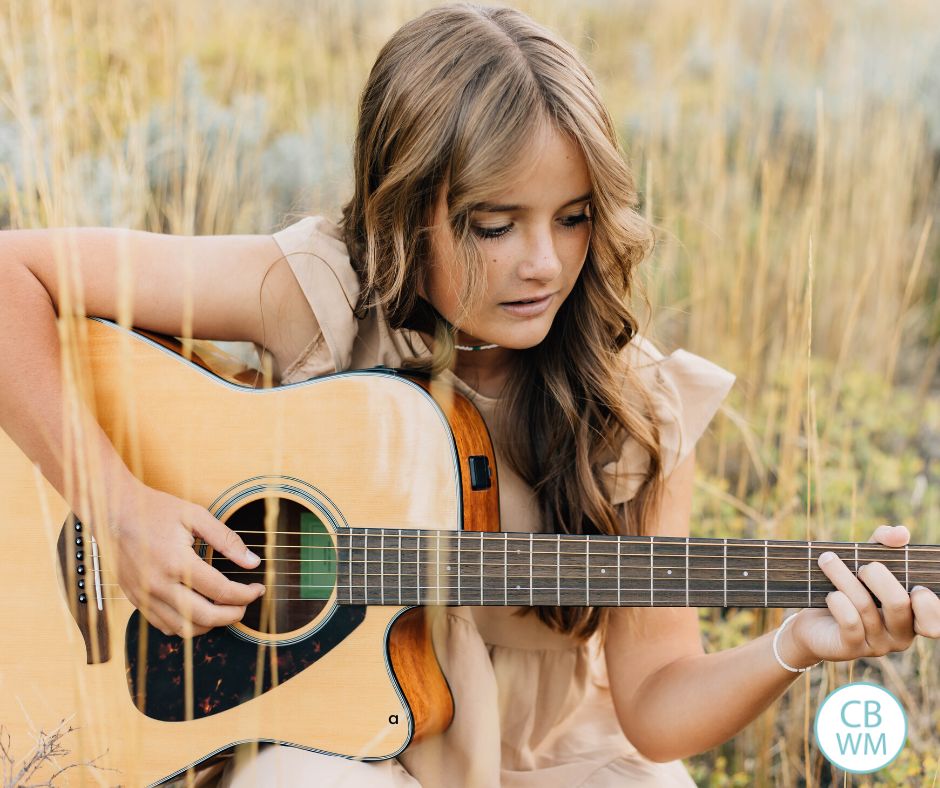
[{"x": 225, "y": 666}]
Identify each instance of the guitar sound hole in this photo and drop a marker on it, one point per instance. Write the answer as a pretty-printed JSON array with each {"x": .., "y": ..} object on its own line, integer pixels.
[{"x": 299, "y": 554}]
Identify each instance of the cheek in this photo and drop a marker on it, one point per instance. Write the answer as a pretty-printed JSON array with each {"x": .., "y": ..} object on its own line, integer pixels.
[{"x": 575, "y": 247}]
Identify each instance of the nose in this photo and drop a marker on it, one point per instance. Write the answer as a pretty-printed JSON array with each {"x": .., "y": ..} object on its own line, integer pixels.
[{"x": 541, "y": 260}]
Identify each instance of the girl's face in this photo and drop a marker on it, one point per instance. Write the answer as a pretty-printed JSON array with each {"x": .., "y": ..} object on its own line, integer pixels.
[{"x": 534, "y": 237}]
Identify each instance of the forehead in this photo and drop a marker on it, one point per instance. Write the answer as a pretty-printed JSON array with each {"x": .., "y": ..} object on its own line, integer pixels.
[{"x": 551, "y": 172}]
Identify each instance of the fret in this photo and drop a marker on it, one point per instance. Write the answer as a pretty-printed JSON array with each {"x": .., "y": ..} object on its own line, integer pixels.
[
  {"x": 809, "y": 573},
  {"x": 343, "y": 538},
  {"x": 587, "y": 571},
  {"x": 746, "y": 572},
  {"x": 505, "y": 568},
  {"x": 856, "y": 559},
  {"x": 670, "y": 564},
  {"x": 651, "y": 573},
  {"x": 558, "y": 565},
  {"x": 724, "y": 571},
  {"x": 601, "y": 566},
  {"x": 766, "y": 573},
  {"x": 702, "y": 573},
  {"x": 907, "y": 579},
  {"x": 365, "y": 567},
  {"x": 418, "y": 568},
  {"x": 481, "y": 567},
  {"x": 382, "y": 566},
  {"x": 787, "y": 572},
  {"x": 619, "y": 586},
  {"x": 437, "y": 565},
  {"x": 687, "y": 572},
  {"x": 352, "y": 566},
  {"x": 400, "y": 601},
  {"x": 459, "y": 540},
  {"x": 531, "y": 575}
]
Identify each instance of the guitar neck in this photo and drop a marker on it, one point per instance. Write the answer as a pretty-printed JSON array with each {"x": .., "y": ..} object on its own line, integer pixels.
[{"x": 378, "y": 566}]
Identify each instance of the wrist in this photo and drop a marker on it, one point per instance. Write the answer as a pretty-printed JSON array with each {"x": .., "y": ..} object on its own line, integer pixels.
[
  {"x": 790, "y": 652},
  {"x": 124, "y": 491}
]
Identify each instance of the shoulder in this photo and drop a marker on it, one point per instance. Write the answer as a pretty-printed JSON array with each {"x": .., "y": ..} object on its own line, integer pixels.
[
  {"x": 681, "y": 391},
  {"x": 680, "y": 384},
  {"x": 317, "y": 256},
  {"x": 313, "y": 242}
]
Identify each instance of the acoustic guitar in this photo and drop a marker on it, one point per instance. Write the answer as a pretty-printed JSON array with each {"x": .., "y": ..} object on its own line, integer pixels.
[{"x": 370, "y": 494}]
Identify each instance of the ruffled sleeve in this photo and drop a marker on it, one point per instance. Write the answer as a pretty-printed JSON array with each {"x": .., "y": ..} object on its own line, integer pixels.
[
  {"x": 686, "y": 391},
  {"x": 317, "y": 255}
]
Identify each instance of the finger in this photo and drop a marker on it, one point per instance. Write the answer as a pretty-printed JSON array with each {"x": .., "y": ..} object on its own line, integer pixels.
[
  {"x": 200, "y": 611},
  {"x": 211, "y": 583},
  {"x": 895, "y": 601},
  {"x": 221, "y": 538},
  {"x": 926, "y": 606},
  {"x": 169, "y": 621},
  {"x": 851, "y": 627},
  {"x": 891, "y": 535},
  {"x": 845, "y": 581}
]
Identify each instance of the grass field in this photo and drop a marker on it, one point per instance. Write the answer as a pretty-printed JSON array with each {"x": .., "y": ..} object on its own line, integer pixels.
[{"x": 787, "y": 153}]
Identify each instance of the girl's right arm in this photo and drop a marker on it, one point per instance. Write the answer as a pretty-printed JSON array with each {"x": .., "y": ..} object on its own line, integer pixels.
[{"x": 218, "y": 281}]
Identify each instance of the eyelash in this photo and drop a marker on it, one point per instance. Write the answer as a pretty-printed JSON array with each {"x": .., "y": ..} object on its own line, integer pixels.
[{"x": 495, "y": 233}]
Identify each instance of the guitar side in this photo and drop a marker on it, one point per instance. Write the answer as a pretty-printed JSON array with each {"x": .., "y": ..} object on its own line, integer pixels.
[{"x": 361, "y": 449}]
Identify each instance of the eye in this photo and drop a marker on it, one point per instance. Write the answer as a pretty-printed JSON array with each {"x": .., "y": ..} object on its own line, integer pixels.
[
  {"x": 570, "y": 222},
  {"x": 491, "y": 233}
]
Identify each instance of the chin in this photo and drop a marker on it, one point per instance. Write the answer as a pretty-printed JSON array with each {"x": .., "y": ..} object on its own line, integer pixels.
[{"x": 519, "y": 340}]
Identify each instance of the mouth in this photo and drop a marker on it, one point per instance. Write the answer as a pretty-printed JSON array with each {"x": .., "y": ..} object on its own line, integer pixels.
[
  {"x": 528, "y": 307},
  {"x": 536, "y": 300}
]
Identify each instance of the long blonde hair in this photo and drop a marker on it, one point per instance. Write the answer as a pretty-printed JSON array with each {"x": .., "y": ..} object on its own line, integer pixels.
[{"x": 454, "y": 98}]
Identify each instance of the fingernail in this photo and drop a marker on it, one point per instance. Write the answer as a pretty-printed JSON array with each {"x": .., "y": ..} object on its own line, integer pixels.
[
  {"x": 252, "y": 558},
  {"x": 916, "y": 587},
  {"x": 825, "y": 558}
]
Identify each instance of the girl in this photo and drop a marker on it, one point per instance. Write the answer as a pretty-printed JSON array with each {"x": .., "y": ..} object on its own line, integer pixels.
[{"x": 492, "y": 238}]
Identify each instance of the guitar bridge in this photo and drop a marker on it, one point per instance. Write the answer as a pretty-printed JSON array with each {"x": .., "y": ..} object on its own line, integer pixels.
[{"x": 78, "y": 576}]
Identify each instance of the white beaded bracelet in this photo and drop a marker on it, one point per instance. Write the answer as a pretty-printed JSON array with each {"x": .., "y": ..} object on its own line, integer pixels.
[{"x": 777, "y": 653}]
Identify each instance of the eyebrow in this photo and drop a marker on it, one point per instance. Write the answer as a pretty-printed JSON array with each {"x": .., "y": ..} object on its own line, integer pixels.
[{"x": 487, "y": 207}]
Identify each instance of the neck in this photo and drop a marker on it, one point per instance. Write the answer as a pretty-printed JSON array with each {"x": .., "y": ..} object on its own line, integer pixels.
[
  {"x": 484, "y": 371},
  {"x": 401, "y": 567}
]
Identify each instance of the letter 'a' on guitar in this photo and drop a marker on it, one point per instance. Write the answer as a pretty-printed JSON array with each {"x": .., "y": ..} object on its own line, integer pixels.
[{"x": 369, "y": 494}]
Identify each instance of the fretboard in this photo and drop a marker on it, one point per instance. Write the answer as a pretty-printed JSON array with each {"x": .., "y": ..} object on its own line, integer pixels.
[{"x": 406, "y": 567}]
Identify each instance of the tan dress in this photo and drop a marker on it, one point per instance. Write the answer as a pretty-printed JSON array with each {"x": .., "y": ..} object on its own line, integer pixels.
[{"x": 533, "y": 707}]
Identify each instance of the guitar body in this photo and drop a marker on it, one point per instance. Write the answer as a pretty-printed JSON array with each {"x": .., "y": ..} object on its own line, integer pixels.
[{"x": 291, "y": 464}]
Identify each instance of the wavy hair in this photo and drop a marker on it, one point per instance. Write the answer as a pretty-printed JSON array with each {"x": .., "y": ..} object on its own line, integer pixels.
[{"x": 453, "y": 99}]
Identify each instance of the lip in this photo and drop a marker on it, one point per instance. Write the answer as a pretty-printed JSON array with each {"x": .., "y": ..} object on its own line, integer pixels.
[{"x": 529, "y": 310}]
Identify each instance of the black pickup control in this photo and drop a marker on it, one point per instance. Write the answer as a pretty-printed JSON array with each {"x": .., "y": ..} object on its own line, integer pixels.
[{"x": 481, "y": 477}]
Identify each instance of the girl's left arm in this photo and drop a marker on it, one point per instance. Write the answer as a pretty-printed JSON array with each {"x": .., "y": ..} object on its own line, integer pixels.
[{"x": 673, "y": 700}]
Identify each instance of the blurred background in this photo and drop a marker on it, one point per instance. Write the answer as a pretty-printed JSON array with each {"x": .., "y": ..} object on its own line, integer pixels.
[{"x": 787, "y": 152}]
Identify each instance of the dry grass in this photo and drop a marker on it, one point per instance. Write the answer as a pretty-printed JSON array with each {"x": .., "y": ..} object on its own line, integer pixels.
[{"x": 787, "y": 152}]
